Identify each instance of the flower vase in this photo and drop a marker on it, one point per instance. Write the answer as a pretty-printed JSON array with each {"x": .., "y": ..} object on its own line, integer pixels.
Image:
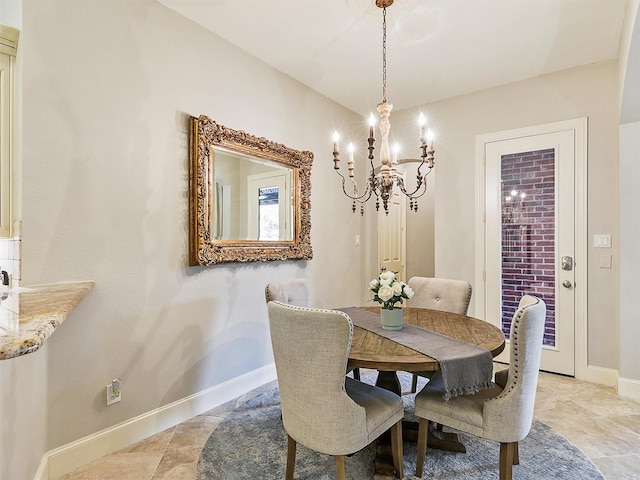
[{"x": 391, "y": 319}]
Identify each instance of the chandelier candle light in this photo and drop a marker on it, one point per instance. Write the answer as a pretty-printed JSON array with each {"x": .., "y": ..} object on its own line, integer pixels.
[{"x": 381, "y": 184}]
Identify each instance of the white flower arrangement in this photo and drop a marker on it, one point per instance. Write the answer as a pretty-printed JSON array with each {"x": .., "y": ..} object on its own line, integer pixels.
[{"x": 388, "y": 290}]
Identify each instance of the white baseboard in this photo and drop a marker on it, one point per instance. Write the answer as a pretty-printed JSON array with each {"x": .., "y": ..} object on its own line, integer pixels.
[
  {"x": 601, "y": 375},
  {"x": 68, "y": 457},
  {"x": 629, "y": 388},
  {"x": 43, "y": 469}
]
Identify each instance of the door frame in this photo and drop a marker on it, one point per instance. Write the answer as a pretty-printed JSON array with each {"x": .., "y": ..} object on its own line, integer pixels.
[
  {"x": 579, "y": 126},
  {"x": 283, "y": 179}
]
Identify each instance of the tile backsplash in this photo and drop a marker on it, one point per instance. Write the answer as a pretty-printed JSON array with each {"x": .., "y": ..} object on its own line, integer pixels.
[{"x": 10, "y": 259}]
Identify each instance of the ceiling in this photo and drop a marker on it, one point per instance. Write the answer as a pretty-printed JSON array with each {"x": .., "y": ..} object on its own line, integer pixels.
[{"x": 436, "y": 49}]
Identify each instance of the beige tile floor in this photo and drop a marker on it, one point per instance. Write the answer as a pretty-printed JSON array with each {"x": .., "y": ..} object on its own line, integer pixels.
[{"x": 604, "y": 426}]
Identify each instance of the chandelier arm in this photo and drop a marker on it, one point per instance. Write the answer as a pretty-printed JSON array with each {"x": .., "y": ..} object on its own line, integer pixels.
[
  {"x": 373, "y": 181},
  {"x": 371, "y": 142},
  {"x": 424, "y": 186},
  {"x": 400, "y": 183},
  {"x": 420, "y": 185},
  {"x": 367, "y": 192},
  {"x": 355, "y": 196},
  {"x": 419, "y": 173}
]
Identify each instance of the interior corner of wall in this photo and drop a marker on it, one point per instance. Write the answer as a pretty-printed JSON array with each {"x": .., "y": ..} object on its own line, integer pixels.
[{"x": 629, "y": 388}]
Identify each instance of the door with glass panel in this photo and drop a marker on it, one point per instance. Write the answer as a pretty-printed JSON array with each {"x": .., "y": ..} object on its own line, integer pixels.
[{"x": 530, "y": 237}]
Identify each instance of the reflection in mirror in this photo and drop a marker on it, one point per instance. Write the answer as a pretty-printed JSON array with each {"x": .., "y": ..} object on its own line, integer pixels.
[
  {"x": 249, "y": 197},
  {"x": 8, "y": 98},
  {"x": 253, "y": 198}
]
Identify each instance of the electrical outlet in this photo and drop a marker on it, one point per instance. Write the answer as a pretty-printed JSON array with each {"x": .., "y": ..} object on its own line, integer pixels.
[{"x": 114, "y": 391}]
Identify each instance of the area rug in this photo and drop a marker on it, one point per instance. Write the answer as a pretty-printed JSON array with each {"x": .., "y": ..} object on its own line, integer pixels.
[{"x": 251, "y": 444}]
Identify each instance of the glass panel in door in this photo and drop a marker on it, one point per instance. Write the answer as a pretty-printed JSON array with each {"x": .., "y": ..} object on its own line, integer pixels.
[
  {"x": 268, "y": 213},
  {"x": 528, "y": 208}
]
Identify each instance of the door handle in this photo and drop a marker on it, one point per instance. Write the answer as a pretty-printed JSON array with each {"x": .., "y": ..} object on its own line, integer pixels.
[
  {"x": 567, "y": 284},
  {"x": 567, "y": 263}
]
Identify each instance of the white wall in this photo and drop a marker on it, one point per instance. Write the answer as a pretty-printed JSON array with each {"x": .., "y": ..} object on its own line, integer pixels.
[
  {"x": 23, "y": 414},
  {"x": 582, "y": 92},
  {"x": 108, "y": 87},
  {"x": 629, "y": 251},
  {"x": 11, "y": 13},
  {"x": 420, "y": 226},
  {"x": 629, "y": 199},
  {"x": 629, "y": 64}
]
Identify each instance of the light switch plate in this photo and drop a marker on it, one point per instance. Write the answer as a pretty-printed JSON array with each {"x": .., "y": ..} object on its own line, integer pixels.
[
  {"x": 602, "y": 240},
  {"x": 605, "y": 261}
]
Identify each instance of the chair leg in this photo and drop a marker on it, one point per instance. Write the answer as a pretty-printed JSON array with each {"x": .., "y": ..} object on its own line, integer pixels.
[
  {"x": 414, "y": 383},
  {"x": 516, "y": 455},
  {"x": 423, "y": 428},
  {"x": 507, "y": 456},
  {"x": 342, "y": 474},
  {"x": 396, "y": 448},
  {"x": 291, "y": 458},
  {"x": 356, "y": 374}
]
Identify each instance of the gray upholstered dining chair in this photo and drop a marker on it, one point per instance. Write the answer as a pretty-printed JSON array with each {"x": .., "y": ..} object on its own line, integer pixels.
[
  {"x": 502, "y": 413},
  {"x": 442, "y": 294},
  {"x": 321, "y": 408},
  {"x": 293, "y": 292}
]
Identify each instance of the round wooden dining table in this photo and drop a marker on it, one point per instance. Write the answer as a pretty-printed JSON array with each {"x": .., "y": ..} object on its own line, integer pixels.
[{"x": 370, "y": 350}]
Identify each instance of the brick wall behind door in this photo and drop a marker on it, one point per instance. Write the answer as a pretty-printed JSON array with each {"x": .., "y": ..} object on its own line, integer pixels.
[{"x": 528, "y": 234}]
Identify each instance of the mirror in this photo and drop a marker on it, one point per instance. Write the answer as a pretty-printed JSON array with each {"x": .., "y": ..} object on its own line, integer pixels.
[
  {"x": 249, "y": 197},
  {"x": 8, "y": 98},
  {"x": 252, "y": 199}
]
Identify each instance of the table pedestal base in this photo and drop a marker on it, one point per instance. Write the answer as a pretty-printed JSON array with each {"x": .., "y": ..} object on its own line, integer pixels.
[
  {"x": 435, "y": 438},
  {"x": 389, "y": 381}
]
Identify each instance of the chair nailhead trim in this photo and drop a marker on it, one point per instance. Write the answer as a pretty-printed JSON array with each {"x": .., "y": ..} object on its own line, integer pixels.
[{"x": 514, "y": 347}]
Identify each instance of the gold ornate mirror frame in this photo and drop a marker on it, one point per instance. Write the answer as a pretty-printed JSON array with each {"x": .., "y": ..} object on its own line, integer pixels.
[{"x": 204, "y": 249}]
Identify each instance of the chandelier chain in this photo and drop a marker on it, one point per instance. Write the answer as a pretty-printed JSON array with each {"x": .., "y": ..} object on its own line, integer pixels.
[{"x": 384, "y": 54}]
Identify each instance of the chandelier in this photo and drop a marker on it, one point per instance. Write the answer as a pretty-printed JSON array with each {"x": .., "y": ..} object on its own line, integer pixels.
[
  {"x": 382, "y": 180},
  {"x": 514, "y": 209}
]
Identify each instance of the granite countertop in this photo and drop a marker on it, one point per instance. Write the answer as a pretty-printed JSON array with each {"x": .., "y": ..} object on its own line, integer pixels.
[{"x": 30, "y": 315}]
